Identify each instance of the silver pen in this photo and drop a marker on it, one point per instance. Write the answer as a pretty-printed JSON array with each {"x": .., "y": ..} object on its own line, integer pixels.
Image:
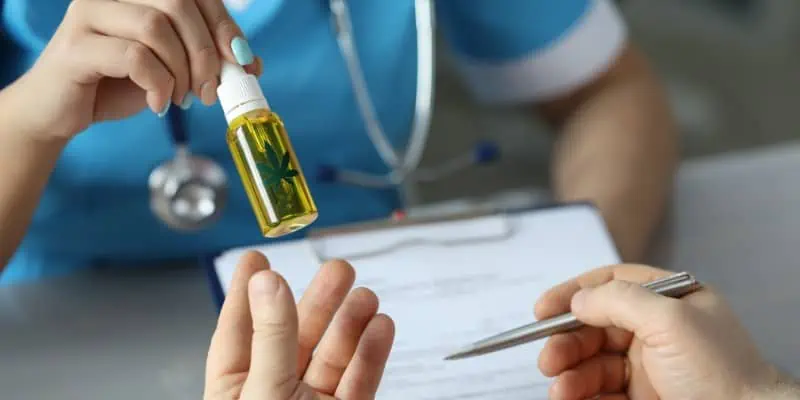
[{"x": 676, "y": 286}]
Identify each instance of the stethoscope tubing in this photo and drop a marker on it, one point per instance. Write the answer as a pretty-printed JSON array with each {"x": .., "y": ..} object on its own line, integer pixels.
[
  {"x": 177, "y": 127},
  {"x": 401, "y": 167}
]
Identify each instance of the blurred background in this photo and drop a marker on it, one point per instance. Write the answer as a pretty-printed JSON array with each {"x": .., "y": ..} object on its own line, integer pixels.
[{"x": 732, "y": 69}]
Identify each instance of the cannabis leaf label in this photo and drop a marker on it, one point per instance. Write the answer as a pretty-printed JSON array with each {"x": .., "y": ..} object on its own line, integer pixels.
[{"x": 276, "y": 169}]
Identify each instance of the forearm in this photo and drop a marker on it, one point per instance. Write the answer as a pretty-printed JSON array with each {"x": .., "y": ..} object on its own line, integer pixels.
[
  {"x": 25, "y": 166},
  {"x": 619, "y": 151}
]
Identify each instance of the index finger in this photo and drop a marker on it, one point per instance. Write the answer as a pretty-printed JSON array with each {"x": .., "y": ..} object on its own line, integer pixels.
[
  {"x": 556, "y": 300},
  {"x": 229, "y": 352},
  {"x": 222, "y": 27},
  {"x": 203, "y": 57}
]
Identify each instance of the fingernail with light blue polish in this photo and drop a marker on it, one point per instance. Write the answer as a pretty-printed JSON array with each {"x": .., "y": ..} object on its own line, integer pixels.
[
  {"x": 241, "y": 51},
  {"x": 187, "y": 102},
  {"x": 164, "y": 111}
]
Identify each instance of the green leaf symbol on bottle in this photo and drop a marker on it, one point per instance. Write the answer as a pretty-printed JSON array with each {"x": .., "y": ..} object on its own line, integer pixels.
[{"x": 277, "y": 168}]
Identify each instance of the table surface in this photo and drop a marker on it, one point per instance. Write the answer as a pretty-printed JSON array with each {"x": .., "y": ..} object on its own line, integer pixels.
[{"x": 143, "y": 334}]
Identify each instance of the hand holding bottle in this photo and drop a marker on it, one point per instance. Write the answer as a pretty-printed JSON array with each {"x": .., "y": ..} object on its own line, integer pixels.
[
  {"x": 640, "y": 345},
  {"x": 262, "y": 347},
  {"x": 109, "y": 59}
]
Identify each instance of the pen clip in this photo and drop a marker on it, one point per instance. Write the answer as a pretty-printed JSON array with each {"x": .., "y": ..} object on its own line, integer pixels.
[{"x": 668, "y": 280}]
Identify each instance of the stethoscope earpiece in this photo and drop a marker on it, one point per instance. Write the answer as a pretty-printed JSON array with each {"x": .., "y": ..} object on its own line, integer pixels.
[
  {"x": 486, "y": 152},
  {"x": 327, "y": 173}
]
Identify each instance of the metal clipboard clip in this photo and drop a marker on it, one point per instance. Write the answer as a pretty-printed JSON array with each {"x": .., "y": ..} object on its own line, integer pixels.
[{"x": 315, "y": 238}]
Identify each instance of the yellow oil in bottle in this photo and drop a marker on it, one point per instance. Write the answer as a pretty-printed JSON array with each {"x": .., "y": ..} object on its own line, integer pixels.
[{"x": 270, "y": 173}]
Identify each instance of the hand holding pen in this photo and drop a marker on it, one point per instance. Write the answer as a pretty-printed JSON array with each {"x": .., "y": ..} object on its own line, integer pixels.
[{"x": 643, "y": 345}]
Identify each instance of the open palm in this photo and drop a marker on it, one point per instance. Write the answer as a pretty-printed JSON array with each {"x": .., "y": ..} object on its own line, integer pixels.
[{"x": 262, "y": 347}]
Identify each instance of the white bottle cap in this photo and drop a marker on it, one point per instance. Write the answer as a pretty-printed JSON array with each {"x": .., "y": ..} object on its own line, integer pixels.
[{"x": 239, "y": 92}]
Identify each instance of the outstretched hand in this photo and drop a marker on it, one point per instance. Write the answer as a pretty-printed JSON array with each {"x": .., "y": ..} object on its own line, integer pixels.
[{"x": 262, "y": 347}]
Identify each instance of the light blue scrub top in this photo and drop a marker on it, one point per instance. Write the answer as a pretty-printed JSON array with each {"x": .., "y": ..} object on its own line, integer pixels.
[{"x": 95, "y": 208}]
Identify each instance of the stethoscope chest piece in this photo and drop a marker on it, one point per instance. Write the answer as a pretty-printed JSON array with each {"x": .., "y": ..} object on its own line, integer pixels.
[{"x": 188, "y": 193}]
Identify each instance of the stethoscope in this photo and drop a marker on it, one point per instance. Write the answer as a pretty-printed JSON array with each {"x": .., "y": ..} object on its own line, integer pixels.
[{"x": 189, "y": 192}]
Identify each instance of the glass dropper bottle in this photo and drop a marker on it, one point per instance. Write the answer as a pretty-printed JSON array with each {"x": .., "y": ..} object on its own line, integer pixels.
[{"x": 264, "y": 157}]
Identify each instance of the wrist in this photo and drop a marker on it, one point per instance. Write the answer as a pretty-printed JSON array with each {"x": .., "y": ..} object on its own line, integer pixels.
[{"x": 18, "y": 116}]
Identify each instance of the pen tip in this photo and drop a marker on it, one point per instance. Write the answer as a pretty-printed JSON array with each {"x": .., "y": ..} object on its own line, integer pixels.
[{"x": 459, "y": 355}]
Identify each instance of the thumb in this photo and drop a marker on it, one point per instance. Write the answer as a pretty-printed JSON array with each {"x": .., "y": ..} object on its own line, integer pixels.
[
  {"x": 623, "y": 305},
  {"x": 273, "y": 358}
]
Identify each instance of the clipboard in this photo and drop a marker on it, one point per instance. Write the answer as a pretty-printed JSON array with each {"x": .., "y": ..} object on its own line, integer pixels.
[{"x": 319, "y": 252}]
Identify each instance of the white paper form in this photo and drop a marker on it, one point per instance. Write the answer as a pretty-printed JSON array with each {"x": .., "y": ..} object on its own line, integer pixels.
[{"x": 444, "y": 297}]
